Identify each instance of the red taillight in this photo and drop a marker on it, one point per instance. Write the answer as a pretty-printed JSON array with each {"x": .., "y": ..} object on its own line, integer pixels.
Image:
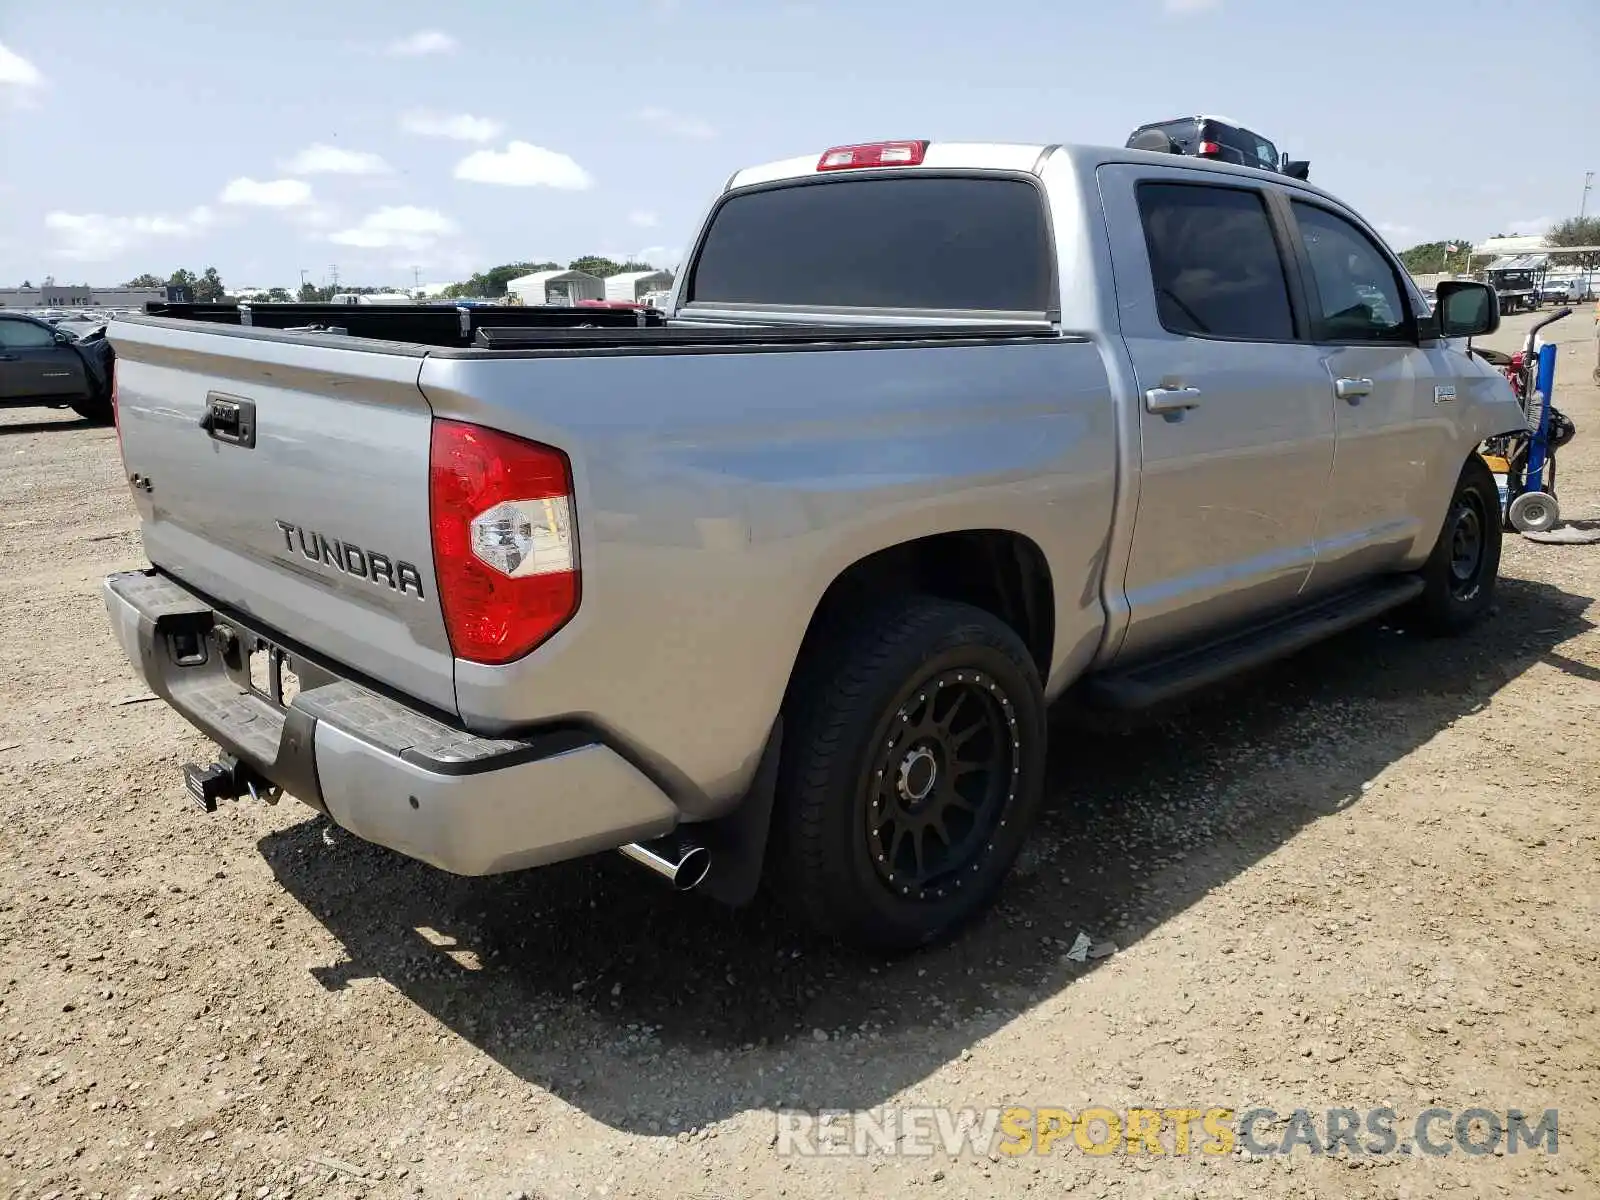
[
  {"x": 504, "y": 548},
  {"x": 1207, "y": 149},
  {"x": 873, "y": 154}
]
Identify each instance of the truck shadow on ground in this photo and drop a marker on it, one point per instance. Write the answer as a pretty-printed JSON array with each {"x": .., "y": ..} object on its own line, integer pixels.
[
  {"x": 68, "y": 421},
  {"x": 656, "y": 1013}
]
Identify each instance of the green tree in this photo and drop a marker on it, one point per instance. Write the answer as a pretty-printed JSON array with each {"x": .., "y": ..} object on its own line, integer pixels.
[
  {"x": 208, "y": 289},
  {"x": 1430, "y": 258},
  {"x": 145, "y": 281},
  {"x": 593, "y": 264},
  {"x": 184, "y": 278},
  {"x": 1577, "y": 231},
  {"x": 27, "y": 283},
  {"x": 493, "y": 282}
]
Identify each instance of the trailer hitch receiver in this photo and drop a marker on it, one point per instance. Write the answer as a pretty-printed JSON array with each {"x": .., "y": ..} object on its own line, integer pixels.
[{"x": 226, "y": 779}]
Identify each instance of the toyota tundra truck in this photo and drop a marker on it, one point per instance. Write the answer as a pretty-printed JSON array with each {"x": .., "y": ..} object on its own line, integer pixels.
[{"x": 775, "y": 587}]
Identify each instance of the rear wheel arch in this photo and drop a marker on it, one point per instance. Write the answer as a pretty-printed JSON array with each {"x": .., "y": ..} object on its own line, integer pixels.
[{"x": 998, "y": 570}]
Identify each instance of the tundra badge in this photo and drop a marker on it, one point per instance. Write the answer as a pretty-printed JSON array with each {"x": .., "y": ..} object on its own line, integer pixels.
[{"x": 393, "y": 573}]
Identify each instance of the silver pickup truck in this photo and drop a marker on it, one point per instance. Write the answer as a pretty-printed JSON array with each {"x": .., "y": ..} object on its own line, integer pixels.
[{"x": 778, "y": 589}]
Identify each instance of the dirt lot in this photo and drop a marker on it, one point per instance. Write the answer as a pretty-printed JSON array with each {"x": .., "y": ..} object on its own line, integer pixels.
[{"x": 1365, "y": 878}]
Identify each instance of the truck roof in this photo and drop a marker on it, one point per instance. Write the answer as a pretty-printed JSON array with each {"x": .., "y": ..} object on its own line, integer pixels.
[{"x": 1028, "y": 157}]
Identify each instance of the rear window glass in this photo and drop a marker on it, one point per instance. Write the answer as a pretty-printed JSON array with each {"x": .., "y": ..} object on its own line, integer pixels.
[
  {"x": 1252, "y": 150},
  {"x": 928, "y": 243}
]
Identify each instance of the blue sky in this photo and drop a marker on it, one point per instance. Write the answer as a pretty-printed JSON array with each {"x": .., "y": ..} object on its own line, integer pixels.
[{"x": 380, "y": 135}]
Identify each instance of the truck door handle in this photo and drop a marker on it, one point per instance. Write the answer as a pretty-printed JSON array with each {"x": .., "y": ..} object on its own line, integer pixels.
[
  {"x": 1352, "y": 389},
  {"x": 1166, "y": 400}
]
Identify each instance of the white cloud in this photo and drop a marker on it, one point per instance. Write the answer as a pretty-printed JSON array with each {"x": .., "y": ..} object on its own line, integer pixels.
[
  {"x": 662, "y": 257},
  {"x": 16, "y": 71},
  {"x": 315, "y": 216},
  {"x": 462, "y": 127},
  {"x": 404, "y": 227},
  {"x": 524, "y": 165},
  {"x": 1392, "y": 231},
  {"x": 96, "y": 236},
  {"x": 320, "y": 159},
  {"x": 1185, "y": 7},
  {"x": 424, "y": 41},
  {"x": 272, "y": 193},
  {"x": 676, "y": 124},
  {"x": 643, "y": 219}
]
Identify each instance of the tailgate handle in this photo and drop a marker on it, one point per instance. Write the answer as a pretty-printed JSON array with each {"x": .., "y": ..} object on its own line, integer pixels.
[{"x": 230, "y": 419}]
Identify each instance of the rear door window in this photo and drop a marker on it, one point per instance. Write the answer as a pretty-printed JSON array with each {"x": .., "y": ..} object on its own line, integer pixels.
[
  {"x": 1215, "y": 263},
  {"x": 931, "y": 244}
]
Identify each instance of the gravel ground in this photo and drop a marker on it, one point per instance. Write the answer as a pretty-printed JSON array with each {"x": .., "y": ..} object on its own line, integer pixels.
[{"x": 1365, "y": 877}]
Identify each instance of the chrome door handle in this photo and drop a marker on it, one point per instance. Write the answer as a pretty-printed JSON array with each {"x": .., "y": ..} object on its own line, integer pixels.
[
  {"x": 1352, "y": 389},
  {"x": 1166, "y": 400}
]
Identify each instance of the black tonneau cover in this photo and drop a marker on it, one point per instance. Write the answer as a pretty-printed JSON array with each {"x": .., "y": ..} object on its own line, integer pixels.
[{"x": 424, "y": 324}]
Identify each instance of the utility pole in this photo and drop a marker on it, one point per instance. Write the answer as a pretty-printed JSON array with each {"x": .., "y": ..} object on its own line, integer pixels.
[
  {"x": 416, "y": 278},
  {"x": 302, "y": 278},
  {"x": 333, "y": 275},
  {"x": 1583, "y": 205}
]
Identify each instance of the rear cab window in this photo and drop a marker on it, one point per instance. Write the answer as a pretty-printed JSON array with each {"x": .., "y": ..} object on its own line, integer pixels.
[
  {"x": 1241, "y": 146},
  {"x": 908, "y": 243}
]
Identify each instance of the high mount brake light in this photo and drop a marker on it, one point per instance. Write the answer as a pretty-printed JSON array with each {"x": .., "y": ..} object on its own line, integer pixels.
[
  {"x": 873, "y": 154},
  {"x": 1207, "y": 149},
  {"x": 504, "y": 547}
]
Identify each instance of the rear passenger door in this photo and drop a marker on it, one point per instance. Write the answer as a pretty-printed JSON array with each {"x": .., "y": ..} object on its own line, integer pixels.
[
  {"x": 1235, "y": 420},
  {"x": 1391, "y": 437}
]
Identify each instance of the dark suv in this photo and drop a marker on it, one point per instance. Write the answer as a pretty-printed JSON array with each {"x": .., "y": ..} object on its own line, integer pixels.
[{"x": 1215, "y": 138}]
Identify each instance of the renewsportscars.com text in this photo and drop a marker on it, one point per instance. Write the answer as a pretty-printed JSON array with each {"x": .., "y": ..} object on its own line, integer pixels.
[{"x": 1216, "y": 1130}]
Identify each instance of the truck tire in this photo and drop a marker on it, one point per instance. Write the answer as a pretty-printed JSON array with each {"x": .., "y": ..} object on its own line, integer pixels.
[
  {"x": 913, "y": 772},
  {"x": 94, "y": 409},
  {"x": 1459, "y": 576}
]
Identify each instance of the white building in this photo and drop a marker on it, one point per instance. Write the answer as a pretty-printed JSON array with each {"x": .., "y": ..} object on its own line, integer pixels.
[
  {"x": 632, "y": 286},
  {"x": 557, "y": 287}
]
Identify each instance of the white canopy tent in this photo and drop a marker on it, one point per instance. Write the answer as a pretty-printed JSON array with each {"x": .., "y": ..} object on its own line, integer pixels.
[
  {"x": 631, "y": 285},
  {"x": 557, "y": 287}
]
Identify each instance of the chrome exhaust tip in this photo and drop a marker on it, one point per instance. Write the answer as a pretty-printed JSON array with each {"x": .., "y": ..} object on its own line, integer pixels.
[{"x": 681, "y": 863}]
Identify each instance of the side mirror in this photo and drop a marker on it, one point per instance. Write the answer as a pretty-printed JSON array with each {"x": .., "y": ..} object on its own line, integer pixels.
[
  {"x": 1466, "y": 309},
  {"x": 63, "y": 339},
  {"x": 1297, "y": 169}
]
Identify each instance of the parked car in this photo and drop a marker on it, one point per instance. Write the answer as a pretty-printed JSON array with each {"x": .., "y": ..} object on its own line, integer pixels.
[
  {"x": 782, "y": 587},
  {"x": 1555, "y": 291},
  {"x": 1217, "y": 138},
  {"x": 41, "y": 363}
]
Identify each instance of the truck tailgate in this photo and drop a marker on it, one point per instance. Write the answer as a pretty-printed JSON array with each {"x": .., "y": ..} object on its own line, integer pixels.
[{"x": 305, "y": 504}]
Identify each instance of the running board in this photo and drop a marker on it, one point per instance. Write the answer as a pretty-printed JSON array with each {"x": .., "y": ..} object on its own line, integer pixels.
[{"x": 1163, "y": 679}]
